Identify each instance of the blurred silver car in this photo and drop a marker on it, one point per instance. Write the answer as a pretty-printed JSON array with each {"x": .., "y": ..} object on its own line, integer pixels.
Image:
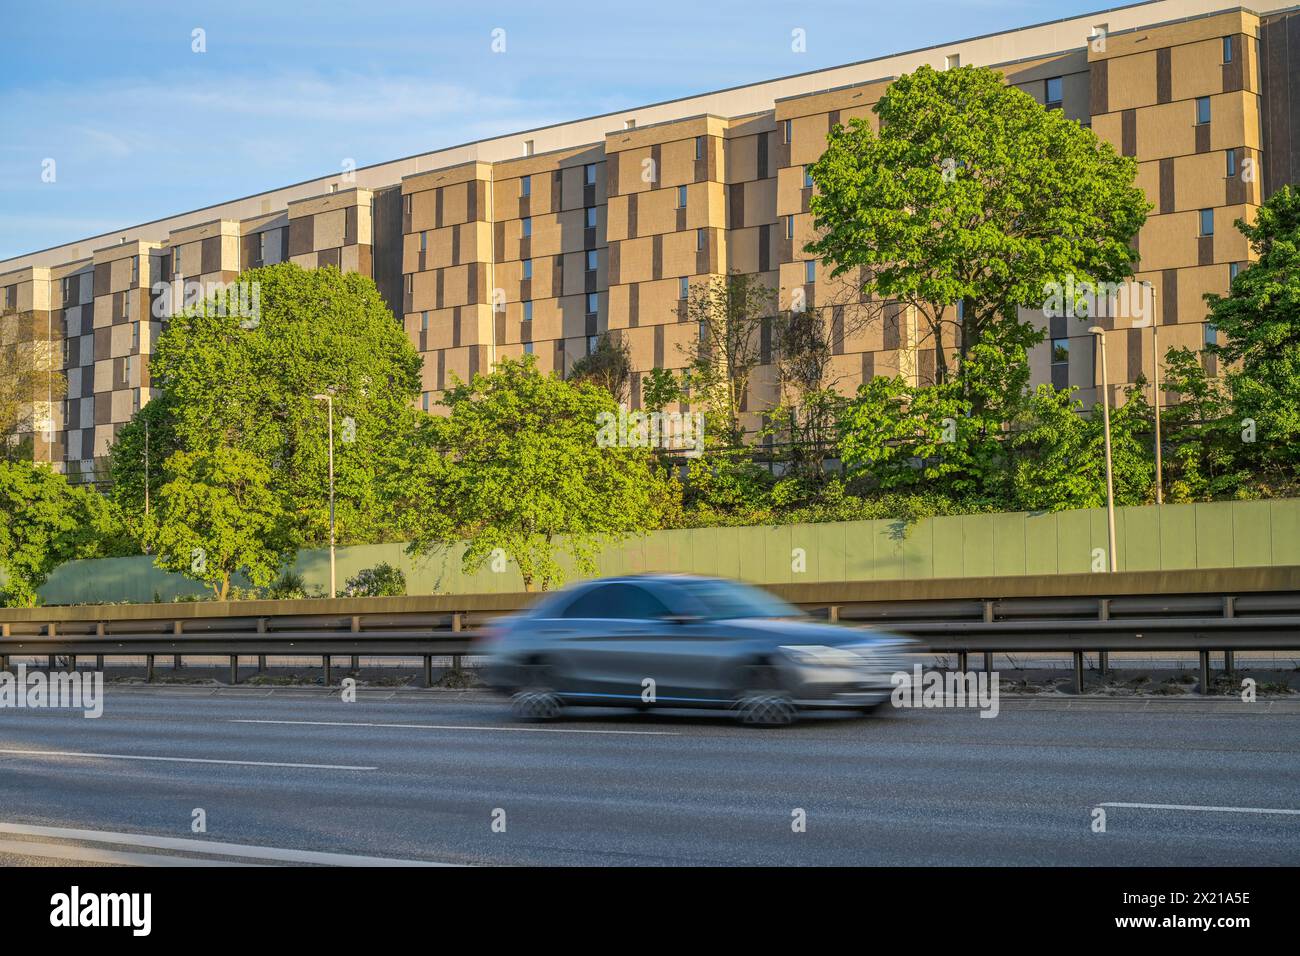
[{"x": 668, "y": 640}]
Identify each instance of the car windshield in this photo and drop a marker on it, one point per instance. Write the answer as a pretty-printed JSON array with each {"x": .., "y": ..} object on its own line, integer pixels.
[{"x": 725, "y": 600}]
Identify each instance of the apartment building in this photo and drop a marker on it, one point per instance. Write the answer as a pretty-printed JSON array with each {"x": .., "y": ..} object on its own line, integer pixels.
[{"x": 541, "y": 241}]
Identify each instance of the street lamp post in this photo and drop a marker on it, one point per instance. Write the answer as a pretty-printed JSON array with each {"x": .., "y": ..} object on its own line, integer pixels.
[
  {"x": 1100, "y": 333},
  {"x": 1155, "y": 345},
  {"x": 329, "y": 399}
]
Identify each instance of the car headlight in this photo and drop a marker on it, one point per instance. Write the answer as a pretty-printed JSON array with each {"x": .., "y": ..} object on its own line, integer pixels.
[{"x": 823, "y": 655}]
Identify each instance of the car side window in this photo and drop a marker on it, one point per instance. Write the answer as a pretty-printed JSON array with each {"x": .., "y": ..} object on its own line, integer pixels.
[{"x": 616, "y": 601}]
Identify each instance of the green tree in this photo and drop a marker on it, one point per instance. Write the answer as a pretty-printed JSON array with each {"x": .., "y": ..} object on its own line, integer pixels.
[
  {"x": 971, "y": 192},
  {"x": 1203, "y": 457},
  {"x": 1259, "y": 321},
  {"x": 383, "y": 580},
  {"x": 659, "y": 389},
  {"x": 524, "y": 462},
  {"x": 229, "y": 381},
  {"x": 29, "y": 380},
  {"x": 44, "y": 522},
  {"x": 729, "y": 312},
  {"x": 609, "y": 367},
  {"x": 1059, "y": 454},
  {"x": 219, "y": 515}
]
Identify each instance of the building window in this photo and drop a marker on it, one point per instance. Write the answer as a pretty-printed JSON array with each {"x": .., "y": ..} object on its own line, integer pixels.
[
  {"x": 592, "y": 342},
  {"x": 406, "y": 204},
  {"x": 1232, "y": 162},
  {"x": 952, "y": 61},
  {"x": 126, "y": 370},
  {"x": 261, "y": 247},
  {"x": 135, "y": 400},
  {"x": 528, "y": 348},
  {"x": 135, "y": 270},
  {"x": 629, "y": 124},
  {"x": 591, "y": 260},
  {"x": 409, "y": 283},
  {"x": 589, "y": 174},
  {"x": 789, "y": 227},
  {"x": 425, "y": 401},
  {"x": 1207, "y": 222},
  {"x": 176, "y": 261},
  {"x": 787, "y": 131},
  {"x": 1227, "y": 49},
  {"x": 1054, "y": 93},
  {"x": 135, "y": 336},
  {"x": 1234, "y": 270},
  {"x": 681, "y": 197},
  {"x": 1202, "y": 110},
  {"x": 589, "y": 217},
  {"x": 683, "y": 287},
  {"x": 528, "y": 311},
  {"x": 525, "y": 185},
  {"x": 527, "y": 225},
  {"x": 1211, "y": 334},
  {"x": 528, "y": 268},
  {"x": 424, "y": 321},
  {"x": 424, "y": 241},
  {"x": 1060, "y": 351},
  {"x": 699, "y": 148},
  {"x": 528, "y": 147},
  {"x": 807, "y": 177},
  {"x": 810, "y": 271},
  {"x": 593, "y": 303},
  {"x": 700, "y": 239},
  {"x": 702, "y": 331}
]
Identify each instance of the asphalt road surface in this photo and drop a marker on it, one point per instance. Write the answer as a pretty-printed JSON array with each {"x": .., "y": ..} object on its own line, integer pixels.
[{"x": 307, "y": 779}]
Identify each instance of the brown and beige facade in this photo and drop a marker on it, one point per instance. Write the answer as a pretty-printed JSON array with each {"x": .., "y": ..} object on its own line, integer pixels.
[{"x": 539, "y": 242}]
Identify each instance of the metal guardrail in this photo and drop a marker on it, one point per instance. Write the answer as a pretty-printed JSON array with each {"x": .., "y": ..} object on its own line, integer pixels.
[{"x": 1224, "y": 611}]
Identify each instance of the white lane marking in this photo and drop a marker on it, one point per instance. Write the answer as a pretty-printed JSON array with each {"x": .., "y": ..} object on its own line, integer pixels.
[
  {"x": 236, "y": 763},
  {"x": 1179, "y": 806},
  {"x": 244, "y": 850},
  {"x": 92, "y": 854},
  {"x": 525, "y": 730}
]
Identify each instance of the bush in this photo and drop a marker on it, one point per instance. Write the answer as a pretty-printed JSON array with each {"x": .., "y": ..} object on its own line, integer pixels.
[{"x": 383, "y": 580}]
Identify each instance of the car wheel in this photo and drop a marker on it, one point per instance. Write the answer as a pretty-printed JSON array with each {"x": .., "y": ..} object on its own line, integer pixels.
[
  {"x": 757, "y": 709},
  {"x": 536, "y": 700},
  {"x": 762, "y": 702}
]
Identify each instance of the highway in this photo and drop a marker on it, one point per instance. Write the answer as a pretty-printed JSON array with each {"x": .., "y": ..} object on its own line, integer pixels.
[{"x": 293, "y": 778}]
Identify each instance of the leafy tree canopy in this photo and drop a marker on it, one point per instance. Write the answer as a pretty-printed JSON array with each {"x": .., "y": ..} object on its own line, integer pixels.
[
  {"x": 515, "y": 467},
  {"x": 971, "y": 192}
]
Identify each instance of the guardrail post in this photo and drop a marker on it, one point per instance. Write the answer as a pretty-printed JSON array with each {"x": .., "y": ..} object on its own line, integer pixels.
[
  {"x": 148, "y": 668},
  {"x": 456, "y": 623},
  {"x": 178, "y": 628},
  {"x": 234, "y": 669},
  {"x": 1103, "y": 609},
  {"x": 963, "y": 659},
  {"x": 329, "y": 679},
  {"x": 100, "y": 631},
  {"x": 833, "y": 614},
  {"x": 988, "y": 612},
  {"x": 261, "y": 658},
  {"x": 4, "y": 658},
  {"x": 1103, "y": 662},
  {"x": 99, "y": 662},
  {"x": 428, "y": 670},
  {"x": 1204, "y": 687},
  {"x": 1229, "y": 657},
  {"x": 72, "y": 662},
  {"x": 52, "y": 663},
  {"x": 1078, "y": 672}
]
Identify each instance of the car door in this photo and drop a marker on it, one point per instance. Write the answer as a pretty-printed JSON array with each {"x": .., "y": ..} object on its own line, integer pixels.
[{"x": 604, "y": 632}]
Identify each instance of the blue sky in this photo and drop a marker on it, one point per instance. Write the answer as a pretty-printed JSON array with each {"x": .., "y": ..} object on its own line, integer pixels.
[{"x": 141, "y": 127}]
